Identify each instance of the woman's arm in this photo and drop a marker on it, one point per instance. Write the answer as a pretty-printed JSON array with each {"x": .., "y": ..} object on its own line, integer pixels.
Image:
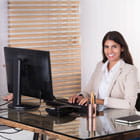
[
  {"x": 9, "y": 97},
  {"x": 100, "y": 101},
  {"x": 93, "y": 83},
  {"x": 124, "y": 92}
]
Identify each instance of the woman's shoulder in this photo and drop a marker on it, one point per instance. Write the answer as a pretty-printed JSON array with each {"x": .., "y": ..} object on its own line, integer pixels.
[
  {"x": 128, "y": 67},
  {"x": 99, "y": 64},
  {"x": 98, "y": 67}
]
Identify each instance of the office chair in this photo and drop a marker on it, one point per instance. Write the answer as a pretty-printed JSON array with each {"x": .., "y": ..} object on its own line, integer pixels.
[{"x": 137, "y": 105}]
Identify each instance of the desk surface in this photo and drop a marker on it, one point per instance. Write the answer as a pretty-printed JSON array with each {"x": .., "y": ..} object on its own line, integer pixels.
[{"x": 72, "y": 126}]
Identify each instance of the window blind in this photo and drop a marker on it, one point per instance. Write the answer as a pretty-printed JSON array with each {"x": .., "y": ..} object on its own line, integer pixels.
[{"x": 50, "y": 25}]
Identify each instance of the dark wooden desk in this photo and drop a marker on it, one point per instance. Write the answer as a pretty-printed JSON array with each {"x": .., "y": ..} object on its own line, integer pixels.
[{"x": 71, "y": 127}]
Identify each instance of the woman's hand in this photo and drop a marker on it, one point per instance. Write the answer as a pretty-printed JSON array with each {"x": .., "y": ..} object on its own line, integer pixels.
[
  {"x": 84, "y": 101},
  {"x": 9, "y": 97},
  {"x": 100, "y": 101},
  {"x": 75, "y": 99}
]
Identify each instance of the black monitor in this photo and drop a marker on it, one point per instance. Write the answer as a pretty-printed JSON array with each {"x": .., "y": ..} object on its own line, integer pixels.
[{"x": 29, "y": 74}]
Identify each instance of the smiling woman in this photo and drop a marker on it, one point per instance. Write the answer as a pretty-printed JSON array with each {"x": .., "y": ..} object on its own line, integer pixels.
[
  {"x": 115, "y": 48},
  {"x": 112, "y": 51},
  {"x": 103, "y": 16},
  {"x": 114, "y": 80}
]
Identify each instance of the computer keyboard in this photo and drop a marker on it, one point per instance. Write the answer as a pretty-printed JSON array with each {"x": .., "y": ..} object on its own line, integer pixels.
[
  {"x": 56, "y": 102},
  {"x": 60, "y": 102},
  {"x": 63, "y": 103}
]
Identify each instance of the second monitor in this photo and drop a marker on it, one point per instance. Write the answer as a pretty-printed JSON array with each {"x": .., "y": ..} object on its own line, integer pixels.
[{"x": 29, "y": 74}]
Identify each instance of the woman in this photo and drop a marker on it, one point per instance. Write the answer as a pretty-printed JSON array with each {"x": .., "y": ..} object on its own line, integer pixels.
[
  {"x": 9, "y": 97},
  {"x": 114, "y": 80}
]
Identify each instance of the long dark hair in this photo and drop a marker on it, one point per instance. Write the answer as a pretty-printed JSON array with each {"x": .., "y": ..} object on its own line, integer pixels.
[{"x": 118, "y": 38}]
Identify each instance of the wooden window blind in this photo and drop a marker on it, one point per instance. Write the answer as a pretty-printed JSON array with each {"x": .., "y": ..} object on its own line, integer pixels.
[{"x": 50, "y": 25}]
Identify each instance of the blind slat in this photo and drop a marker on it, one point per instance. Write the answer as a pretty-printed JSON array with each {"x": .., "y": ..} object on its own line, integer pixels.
[
  {"x": 43, "y": 2},
  {"x": 42, "y": 21},
  {"x": 56, "y": 48},
  {"x": 44, "y": 25},
  {"x": 56, "y": 29},
  {"x": 41, "y": 39},
  {"x": 45, "y": 11},
  {"x": 50, "y": 26},
  {"x": 43, "y": 34},
  {"x": 44, "y": 16},
  {"x": 43, "y": 44},
  {"x": 42, "y": 7}
]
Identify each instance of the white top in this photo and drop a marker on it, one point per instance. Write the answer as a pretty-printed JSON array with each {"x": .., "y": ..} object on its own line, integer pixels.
[{"x": 107, "y": 80}]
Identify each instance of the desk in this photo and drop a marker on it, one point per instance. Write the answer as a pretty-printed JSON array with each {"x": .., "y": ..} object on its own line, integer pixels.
[{"x": 71, "y": 127}]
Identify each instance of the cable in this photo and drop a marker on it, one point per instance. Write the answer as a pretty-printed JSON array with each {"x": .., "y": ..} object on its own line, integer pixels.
[
  {"x": 3, "y": 125},
  {"x": 5, "y": 103},
  {"x": 5, "y": 137},
  {"x": 3, "y": 109},
  {"x": 16, "y": 131}
]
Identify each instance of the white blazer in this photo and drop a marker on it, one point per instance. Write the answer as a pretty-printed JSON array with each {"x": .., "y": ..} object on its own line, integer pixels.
[{"x": 122, "y": 92}]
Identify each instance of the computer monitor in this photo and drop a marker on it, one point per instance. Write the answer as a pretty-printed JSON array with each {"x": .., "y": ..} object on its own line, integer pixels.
[{"x": 29, "y": 74}]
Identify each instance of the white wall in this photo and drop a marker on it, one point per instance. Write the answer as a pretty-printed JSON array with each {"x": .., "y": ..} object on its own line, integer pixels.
[
  {"x": 3, "y": 42},
  {"x": 101, "y": 16}
]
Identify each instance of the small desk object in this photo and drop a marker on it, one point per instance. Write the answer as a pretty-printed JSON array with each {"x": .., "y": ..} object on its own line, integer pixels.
[
  {"x": 130, "y": 120},
  {"x": 73, "y": 126}
]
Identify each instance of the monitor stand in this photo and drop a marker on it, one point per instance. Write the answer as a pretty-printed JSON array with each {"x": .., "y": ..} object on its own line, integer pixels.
[
  {"x": 16, "y": 104},
  {"x": 23, "y": 106}
]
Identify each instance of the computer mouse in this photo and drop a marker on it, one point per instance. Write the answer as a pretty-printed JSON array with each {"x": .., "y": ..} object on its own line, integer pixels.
[{"x": 60, "y": 110}]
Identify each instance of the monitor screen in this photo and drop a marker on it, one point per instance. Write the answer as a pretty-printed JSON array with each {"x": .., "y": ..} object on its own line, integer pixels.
[{"x": 29, "y": 74}]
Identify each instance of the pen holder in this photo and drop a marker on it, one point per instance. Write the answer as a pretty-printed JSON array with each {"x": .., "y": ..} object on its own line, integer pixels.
[
  {"x": 91, "y": 110},
  {"x": 91, "y": 124},
  {"x": 91, "y": 119}
]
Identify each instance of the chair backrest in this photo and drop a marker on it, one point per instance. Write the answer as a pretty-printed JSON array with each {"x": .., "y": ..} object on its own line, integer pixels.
[{"x": 137, "y": 105}]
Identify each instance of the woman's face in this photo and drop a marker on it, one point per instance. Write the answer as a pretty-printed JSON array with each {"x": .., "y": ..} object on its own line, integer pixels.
[{"x": 112, "y": 50}]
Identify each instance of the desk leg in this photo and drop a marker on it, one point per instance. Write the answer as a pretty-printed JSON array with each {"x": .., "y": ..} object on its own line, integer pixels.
[
  {"x": 42, "y": 137},
  {"x": 36, "y": 136}
]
